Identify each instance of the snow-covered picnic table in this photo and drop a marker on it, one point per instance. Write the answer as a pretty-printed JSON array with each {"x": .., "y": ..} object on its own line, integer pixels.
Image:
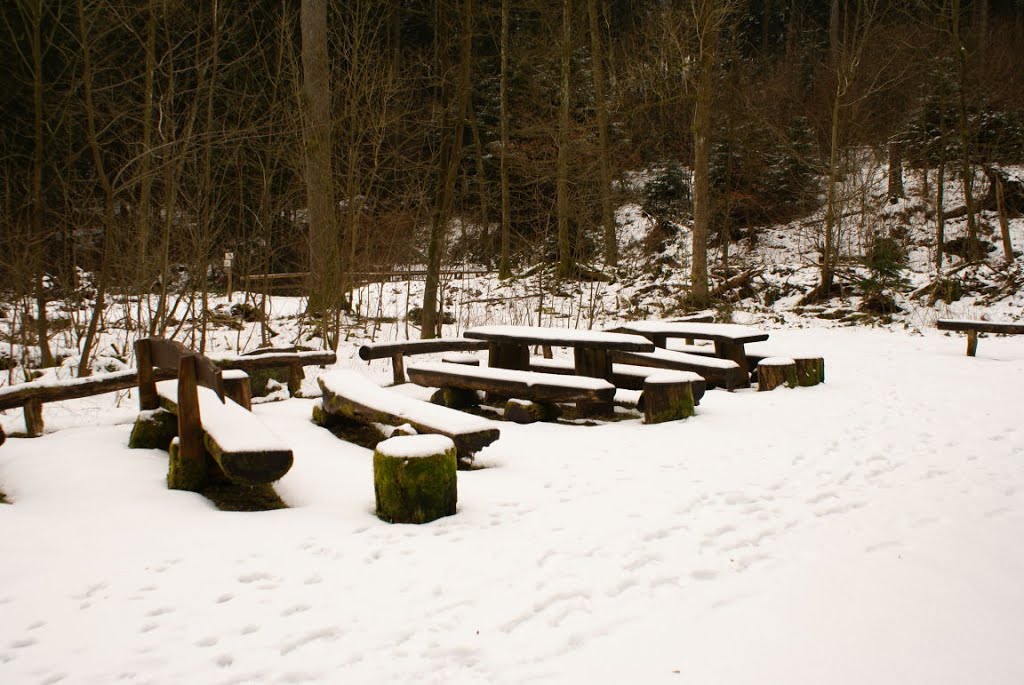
[
  {"x": 509, "y": 347},
  {"x": 729, "y": 338}
]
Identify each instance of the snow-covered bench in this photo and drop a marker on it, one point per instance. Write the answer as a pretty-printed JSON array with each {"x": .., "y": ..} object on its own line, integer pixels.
[
  {"x": 527, "y": 385},
  {"x": 247, "y": 452},
  {"x": 198, "y": 424},
  {"x": 972, "y": 328},
  {"x": 624, "y": 376},
  {"x": 349, "y": 394},
  {"x": 724, "y": 372},
  {"x": 397, "y": 351}
]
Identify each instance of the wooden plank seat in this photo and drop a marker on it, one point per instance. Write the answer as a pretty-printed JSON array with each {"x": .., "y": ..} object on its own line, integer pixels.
[
  {"x": 351, "y": 395},
  {"x": 972, "y": 328},
  {"x": 247, "y": 451},
  {"x": 725, "y": 373},
  {"x": 513, "y": 383},
  {"x": 397, "y": 350},
  {"x": 624, "y": 376},
  {"x": 261, "y": 364},
  {"x": 208, "y": 426},
  {"x": 810, "y": 367}
]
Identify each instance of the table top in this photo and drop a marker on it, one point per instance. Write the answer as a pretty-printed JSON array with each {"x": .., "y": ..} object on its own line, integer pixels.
[
  {"x": 560, "y": 337},
  {"x": 719, "y": 332}
]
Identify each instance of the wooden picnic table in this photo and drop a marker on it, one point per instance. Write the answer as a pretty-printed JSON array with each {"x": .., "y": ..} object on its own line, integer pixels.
[
  {"x": 508, "y": 347},
  {"x": 729, "y": 338}
]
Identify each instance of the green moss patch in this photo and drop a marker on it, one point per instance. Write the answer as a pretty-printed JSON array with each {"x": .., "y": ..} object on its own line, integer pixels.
[{"x": 231, "y": 497}]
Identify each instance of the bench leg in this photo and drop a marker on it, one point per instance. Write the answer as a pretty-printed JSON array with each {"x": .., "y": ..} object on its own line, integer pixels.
[
  {"x": 33, "y": 418},
  {"x": 295, "y": 376},
  {"x": 398, "y": 368},
  {"x": 595, "y": 363},
  {"x": 972, "y": 343}
]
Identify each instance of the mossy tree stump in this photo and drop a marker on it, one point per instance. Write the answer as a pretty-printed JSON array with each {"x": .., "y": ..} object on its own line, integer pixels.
[
  {"x": 525, "y": 411},
  {"x": 414, "y": 478},
  {"x": 154, "y": 429},
  {"x": 668, "y": 396},
  {"x": 775, "y": 371},
  {"x": 455, "y": 398}
]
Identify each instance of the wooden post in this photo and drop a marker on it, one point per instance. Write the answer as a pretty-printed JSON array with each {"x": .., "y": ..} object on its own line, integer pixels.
[
  {"x": 238, "y": 388},
  {"x": 148, "y": 399},
  {"x": 295, "y": 376},
  {"x": 503, "y": 355},
  {"x": 972, "y": 343},
  {"x": 734, "y": 351},
  {"x": 187, "y": 469},
  {"x": 33, "y": 418},
  {"x": 398, "y": 368},
  {"x": 596, "y": 363}
]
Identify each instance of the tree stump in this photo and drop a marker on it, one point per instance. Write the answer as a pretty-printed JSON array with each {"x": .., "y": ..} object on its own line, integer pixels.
[
  {"x": 455, "y": 398},
  {"x": 154, "y": 430},
  {"x": 775, "y": 371},
  {"x": 668, "y": 396},
  {"x": 414, "y": 478},
  {"x": 525, "y": 411},
  {"x": 809, "y": 371}
]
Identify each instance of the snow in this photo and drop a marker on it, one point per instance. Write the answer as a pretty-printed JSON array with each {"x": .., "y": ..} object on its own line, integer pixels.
[
  {"x": 864, "y": 530},
  {"x": 415, "y": 446},
  {"x": 776, "y": 361},
  {"x": 672, "y": 377}
]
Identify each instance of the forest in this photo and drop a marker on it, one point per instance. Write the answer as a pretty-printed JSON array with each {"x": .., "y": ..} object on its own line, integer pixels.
[{"x": 142, "y": 140}]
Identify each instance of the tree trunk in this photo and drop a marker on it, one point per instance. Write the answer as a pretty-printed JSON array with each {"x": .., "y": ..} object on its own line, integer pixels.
[
  {"x": 504, "y": 265},
  {"x": 895, "y": 190},
  {"x": 707, "y": 30},
  {"x": 611, "y": 247},
  {"x": 966, "y": 168},
  {"x": 316, "y": 98},
  {"x": 38, "y": 198},
  {"x": 940, "y": 214},
  {"x": 448, "y": 169},
  {"x": 565, "y": 260},
  {"x": 1004, "y": 224}
]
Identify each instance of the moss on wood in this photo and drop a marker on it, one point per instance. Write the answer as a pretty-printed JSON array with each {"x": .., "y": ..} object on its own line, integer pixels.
[
  {"x": 415, "y": 490},
  {"x": 667, "y": 402},
  {"x": 455, "y": 398},
  {"x": 521, "y": 411},
  {"x": 186, "y": 474},
  {"x": 233, "y": 497},
  {"x": 154, "y": 430}
]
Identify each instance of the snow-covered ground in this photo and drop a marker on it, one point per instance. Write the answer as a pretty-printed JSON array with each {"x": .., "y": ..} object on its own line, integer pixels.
[{"x": 862, "y": 531}]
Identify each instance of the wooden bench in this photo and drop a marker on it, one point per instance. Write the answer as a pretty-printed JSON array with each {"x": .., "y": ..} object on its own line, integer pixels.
[
  {"x": 972, "y": 328},
  {"x": 32, "y": 395},
  {"x": 398, "y": 350},
  {"x": 351, "y": 395},
  {"x": 209, "y": 427},
  {"x": 725, "y": 373},
  {"x": 260, "y": 363},
  {"x": 810, "y": 368},
  {"x": 624, "y": 376},
  {"x": 535, "y": 386}
]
